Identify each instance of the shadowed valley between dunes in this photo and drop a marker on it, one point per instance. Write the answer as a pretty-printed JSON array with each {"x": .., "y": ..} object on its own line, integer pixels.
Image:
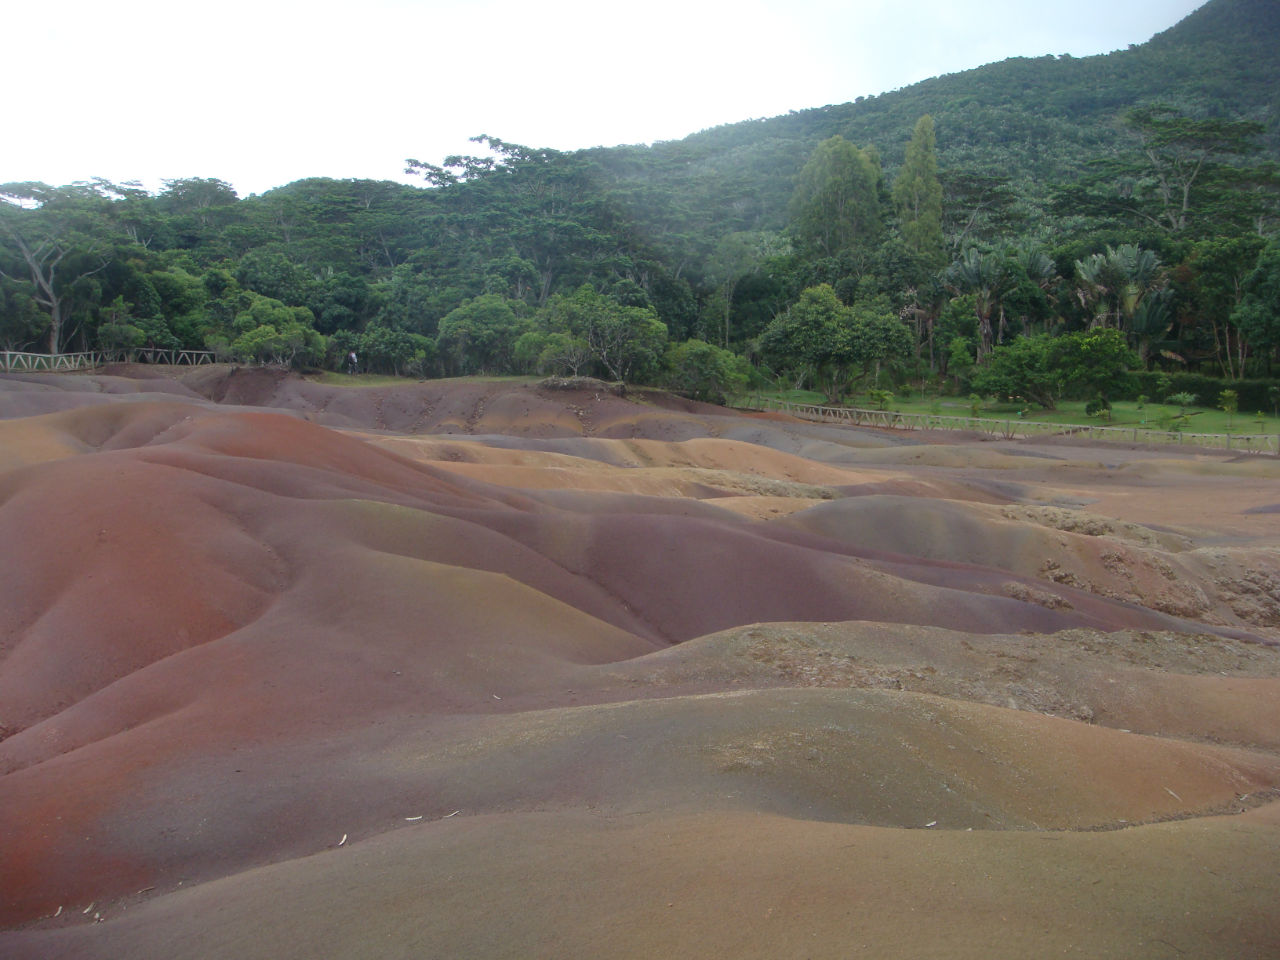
[{"x": 489, "y": 669}]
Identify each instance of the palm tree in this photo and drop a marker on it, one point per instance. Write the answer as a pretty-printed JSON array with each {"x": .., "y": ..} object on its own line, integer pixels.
[
  {"x": 1116, "y": 284},
  {"x": 1150, "y": 324},
  {"x": 985, "y": 276},
  {"x": 1042, "y": 273}
]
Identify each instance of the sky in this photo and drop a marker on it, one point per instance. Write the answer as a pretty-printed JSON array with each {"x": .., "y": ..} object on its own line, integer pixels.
[{"x": 263, "y": 93}]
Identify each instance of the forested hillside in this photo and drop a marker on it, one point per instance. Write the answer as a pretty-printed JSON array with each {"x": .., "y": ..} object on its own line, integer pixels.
[{"x": 975, "y": 231}]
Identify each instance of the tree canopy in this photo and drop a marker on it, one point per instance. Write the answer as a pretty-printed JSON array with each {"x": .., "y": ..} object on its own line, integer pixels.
[{"x": 1137, "y": 192}]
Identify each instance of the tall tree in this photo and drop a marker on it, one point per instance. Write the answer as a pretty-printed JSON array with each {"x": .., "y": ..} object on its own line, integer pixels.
[
  {"x": 1033, "y": 278},
  {"x": 197, "y": 209},
  {"x": 1258, "y": 314},
  {"x": 986, "y": 277},
  {"x": 1189, "y": 175},
  {"x": 1116, "y": 283},
  {"x": 736, "y": 256},
  {"x": 540, "y": 205},
  {"x": 917, "y": 195},
  {"x": 1214, "y": 281},
  {"x": 1181, "y": 153},
  {"x": 978, "y": 207},
  {"x": 837, "y": 198},
  {"x": 52, "y": 238}
]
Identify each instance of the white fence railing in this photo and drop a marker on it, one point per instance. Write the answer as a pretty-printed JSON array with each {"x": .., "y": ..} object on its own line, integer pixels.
[
  {"x": 17, "y": 360},
  {"x": 1267, "y": 443}
]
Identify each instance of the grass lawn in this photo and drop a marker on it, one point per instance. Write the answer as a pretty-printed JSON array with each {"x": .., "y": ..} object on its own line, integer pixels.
[
  {"x": 1155, "y": 416},
  {"x": 335, "y": 379}
]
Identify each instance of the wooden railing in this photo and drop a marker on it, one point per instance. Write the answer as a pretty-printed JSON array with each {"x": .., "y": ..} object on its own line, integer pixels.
[
  {"x": 1265, "y": 443},
  {"x": 17, "y": 360},
  {"x": 177, "y": 357},
  {"x": 11, "y": 360}
]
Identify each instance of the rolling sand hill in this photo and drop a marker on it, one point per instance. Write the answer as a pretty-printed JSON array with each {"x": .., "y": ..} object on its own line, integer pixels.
[{"x": 488, "y": 669}]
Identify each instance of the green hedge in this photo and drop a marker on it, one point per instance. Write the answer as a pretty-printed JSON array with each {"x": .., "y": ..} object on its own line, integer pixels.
[{"x": 1253, "y": 393}]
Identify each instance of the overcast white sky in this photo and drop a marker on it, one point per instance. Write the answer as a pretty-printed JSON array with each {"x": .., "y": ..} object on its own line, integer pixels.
[{"x": 263, "y": 93}]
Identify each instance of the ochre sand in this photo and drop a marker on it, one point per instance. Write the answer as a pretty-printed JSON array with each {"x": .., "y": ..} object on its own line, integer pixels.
[{"x": 469, "y": 669}]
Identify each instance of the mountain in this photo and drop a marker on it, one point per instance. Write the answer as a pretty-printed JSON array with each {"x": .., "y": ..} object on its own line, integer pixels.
[{"x": 1035, "y": 121}]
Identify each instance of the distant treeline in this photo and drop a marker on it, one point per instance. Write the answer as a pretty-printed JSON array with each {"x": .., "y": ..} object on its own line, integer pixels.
[{"x": 945, "y": 233}]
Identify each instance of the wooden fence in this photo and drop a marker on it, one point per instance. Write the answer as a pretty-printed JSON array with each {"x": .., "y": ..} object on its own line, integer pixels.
[
  {"x": 11, "y": 360},
  {"x": 1264, "y": 443}
]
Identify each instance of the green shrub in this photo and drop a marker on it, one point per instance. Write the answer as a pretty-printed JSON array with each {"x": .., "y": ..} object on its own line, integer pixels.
[
  {"x": 881, "y": 398},
  {"x": 1099, "y": 406}
]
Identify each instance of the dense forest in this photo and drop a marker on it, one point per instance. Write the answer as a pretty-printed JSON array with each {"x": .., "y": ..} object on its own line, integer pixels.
[{"x": 1037, "y": 228}]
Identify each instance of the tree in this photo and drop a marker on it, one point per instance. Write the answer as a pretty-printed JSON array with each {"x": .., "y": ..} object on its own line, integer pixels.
[
  {"x": 53, "y": 238},
  {"x": 837, "y": 198},
  {"x": 809, "y": 339},
  {"x": 539, "y": 206},
  {"x": 272, "y": 274},
  {"x": 394, "y": 351},
  {"x": 263, "y": 344},
  {"x": 1182, "y": 152},
  {"x": 117, "y": 331},
  {"x": 917, "y": 195},
  {"x": 1022, "y": 369},
  {"x": 703, "y": 371},
  {"x": 1257, "y": 193},
  {"x": 1095, "y": 362},
  {"x": 197, "y": 210},
  {"x": 985, "y": 277},
  {"x": 403, "y": 300},
  {"x": 1042, "y": 368},
  {"x": 272, "y": 332},
  {"x": 197, "y": 196},
  {"x": 977, "y": 207},
  {"x": 735, "y": 256},
  {"x": 1229, "y": 403},
  {"x": 626, "y": 342},
  {"x": 480, "y": 334},
  {"x": 1257, "y": 316},
  {"x": 876, "y": 335},
  {"x": 1150, "y": 325},
  {"x": 1122, "y": 288},
  {"x": 551, "y": 353},
  {"x": 959, "y": 359},
  {"x": 821, "y": 339},
  {"x": 1188, "y": 176},
  {"x": 1215, "y": 281},
  {"x": 510, "y": 276},
  {"x": 1033, "y": 278},
  {"x": 21, "y": 319}
]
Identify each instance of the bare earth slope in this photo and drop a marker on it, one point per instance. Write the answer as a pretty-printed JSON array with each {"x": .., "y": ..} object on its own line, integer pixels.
[{"x": 486, "y": 669}]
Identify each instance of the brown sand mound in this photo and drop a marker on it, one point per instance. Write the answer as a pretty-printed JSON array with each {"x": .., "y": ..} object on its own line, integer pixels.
[
  {"x": 312, "y": 693},
  {"x": 655, "y": 885},
  {"x": 1152, "y": 568},
  {"x": 1192, "y": 686}
]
